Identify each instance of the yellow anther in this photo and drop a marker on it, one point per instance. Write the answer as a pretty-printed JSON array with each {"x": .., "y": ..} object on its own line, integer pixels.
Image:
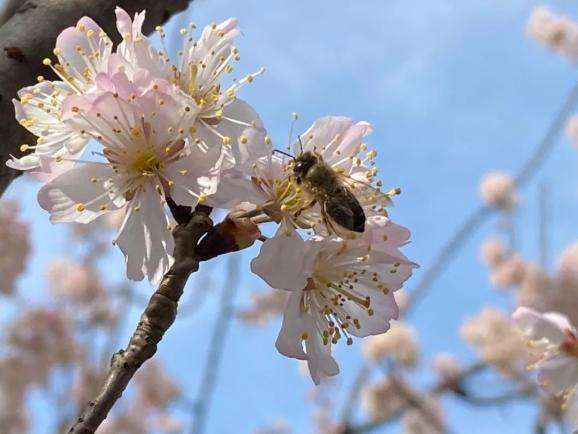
[
  {"x": 226, "y": 140},
  {"x": 25, "y": 99},
  {"x": 57, "y": 51},
  {"x": 267, "y": 140},
  {"x": 47, "y": 62},
  {"x": 135, "y": 132},
  {"x": 40, "y": 79},
  {"x": 90, "y": 33},
  {"x": 202, "y": 197},
  {"x": 243, "y": 139},
  {"x": 80, "y": 207},
  {"x": 24, "y": 147}
]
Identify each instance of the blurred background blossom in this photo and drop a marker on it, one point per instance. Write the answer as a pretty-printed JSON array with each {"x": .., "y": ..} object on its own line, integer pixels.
[{"x": 461, "y": 95}]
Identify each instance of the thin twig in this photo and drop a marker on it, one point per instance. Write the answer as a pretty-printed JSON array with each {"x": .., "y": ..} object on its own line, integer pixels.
[
  {"x": 217, "y": 345},
  {"x": 481, "y": 215},
  {"x": 543, "y": 223},
  {"x": 354, "y": 392},
  {"x": 443, "y": 386}
]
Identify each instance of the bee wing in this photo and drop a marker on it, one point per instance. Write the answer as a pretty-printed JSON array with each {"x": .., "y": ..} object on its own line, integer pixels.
[
  {"x": 344, "y": 209},
  {"x": 366, "y": 193}
]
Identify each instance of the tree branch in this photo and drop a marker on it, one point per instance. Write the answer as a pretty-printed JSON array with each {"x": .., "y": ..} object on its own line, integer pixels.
[
  {"x": 29, "y": 36},
  {"x": 450, "y": 250},
  {"x": 157, "y": 317}
]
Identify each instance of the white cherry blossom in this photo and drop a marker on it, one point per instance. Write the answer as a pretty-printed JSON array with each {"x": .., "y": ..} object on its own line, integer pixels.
[
  {"x": 146, "y": 160},
  {"x": 198, "y": 74},
  {"x": 83, "y": 52},
  {"x": 556, "y": 341},
  {"x": 338, "y": 288},
  {"x": 269, "y": 183}
]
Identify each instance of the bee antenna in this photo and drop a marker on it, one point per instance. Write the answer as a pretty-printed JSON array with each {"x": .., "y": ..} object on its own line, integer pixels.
[
  {"x": 283, "y": 153},
  {"x": 300, "y": 143}
]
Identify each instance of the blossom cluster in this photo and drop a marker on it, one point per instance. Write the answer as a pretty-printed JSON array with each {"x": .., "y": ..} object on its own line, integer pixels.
[
  {"x": 166, "y": 133},
  {"x": 557, "y": 32}
]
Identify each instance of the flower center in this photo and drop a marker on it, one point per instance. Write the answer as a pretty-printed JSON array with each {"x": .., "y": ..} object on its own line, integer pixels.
[{"x": 146, "y": 162}]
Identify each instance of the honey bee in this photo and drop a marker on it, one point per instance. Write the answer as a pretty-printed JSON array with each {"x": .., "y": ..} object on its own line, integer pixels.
[{"x": 327, "y": 188}]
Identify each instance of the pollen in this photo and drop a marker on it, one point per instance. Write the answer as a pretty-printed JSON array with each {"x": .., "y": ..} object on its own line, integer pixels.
[{"x": 135, "y": 132}]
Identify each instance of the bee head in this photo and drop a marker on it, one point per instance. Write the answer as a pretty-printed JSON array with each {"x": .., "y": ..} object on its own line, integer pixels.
[{"x": 303, "y": 163}]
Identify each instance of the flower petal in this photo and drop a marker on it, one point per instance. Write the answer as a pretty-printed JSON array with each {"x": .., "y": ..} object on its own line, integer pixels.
[
  {"x": 290, "y": 339},
  {"x": 77, "y": 195},
  {"x": 145, "y": 238},
  {"x": 537, "y": 326},
  {"x": 280, "y": 262},
  {"x": 558, "y": 374}
]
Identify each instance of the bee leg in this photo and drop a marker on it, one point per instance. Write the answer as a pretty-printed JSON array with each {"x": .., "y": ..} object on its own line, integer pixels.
[
  {"x": 307, "y": 206},
  {"x": 327, "y": 222}
]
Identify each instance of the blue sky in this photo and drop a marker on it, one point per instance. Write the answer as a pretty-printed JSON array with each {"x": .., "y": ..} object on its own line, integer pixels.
[{"x": 454, "y": 90}]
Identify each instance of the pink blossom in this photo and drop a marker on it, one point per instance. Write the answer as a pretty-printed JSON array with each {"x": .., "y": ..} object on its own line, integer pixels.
[
  {"x": 427, "y": 418},
  {"x": 537, "y": 290},
  {"x": 74, "y": 281},
  {"x": 268, "y": 181},
  {"x": 567, "y": 267},
  {"x": 338, "y": 288},
  {"x": 447, "y": 366},
  {"x": 510, "y": 272},
  {"x": 492, "y": 252},
  {"x": 83, "y": 52},
  {"x": 399, "y": 343},
  {"x": 555, "y": 339},
  {"x": 557, "y": 32},
  {"x": 222, "y": 116},
  {"x": 156, "y": 388},
  {"x": 381, "y": 400},
  {"x": 498, "y": 190},
  {"x": 146, "y": 160},
  {"x": 572, "y": 129},
  {"x": 45, "y": 338},
  {"x": 497, "y": 339}
]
